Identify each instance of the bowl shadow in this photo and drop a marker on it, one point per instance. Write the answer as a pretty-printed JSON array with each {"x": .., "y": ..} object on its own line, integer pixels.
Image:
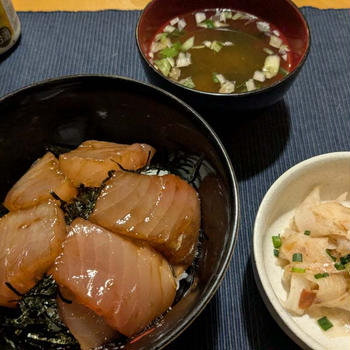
[
  {"x": 262, "y": 330},
  {"x": 206, "y": 324},
  {"x": 253, "y": 140}
]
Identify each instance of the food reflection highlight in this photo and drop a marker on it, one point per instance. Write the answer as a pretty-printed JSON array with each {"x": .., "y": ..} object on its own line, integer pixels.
[{"x": 107, "y": 235}]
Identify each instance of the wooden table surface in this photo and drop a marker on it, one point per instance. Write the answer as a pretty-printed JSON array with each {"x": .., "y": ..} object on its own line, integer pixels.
[{"x": 95, "y": 5}]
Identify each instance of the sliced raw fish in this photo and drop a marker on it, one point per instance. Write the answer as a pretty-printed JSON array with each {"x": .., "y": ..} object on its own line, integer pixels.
[
  {"x": 30, "y": 241},
  {"x": 89, "y": 329},
  {"x": 162, "y": 210},
  {"x": 127, "y": 283},
  {"x": 43, "y": 177},
  {"x": 90, "y": 163}
]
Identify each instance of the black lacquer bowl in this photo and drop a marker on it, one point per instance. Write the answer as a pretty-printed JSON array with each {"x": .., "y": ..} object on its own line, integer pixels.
[{"x": 70, "y": 110}]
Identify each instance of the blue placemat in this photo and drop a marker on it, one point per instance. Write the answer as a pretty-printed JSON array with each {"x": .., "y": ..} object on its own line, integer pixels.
[{"x": 312, "y": 119}]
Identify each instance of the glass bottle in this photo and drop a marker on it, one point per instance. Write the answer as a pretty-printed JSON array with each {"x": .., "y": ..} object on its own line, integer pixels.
[{"x": 10, "y": 26}]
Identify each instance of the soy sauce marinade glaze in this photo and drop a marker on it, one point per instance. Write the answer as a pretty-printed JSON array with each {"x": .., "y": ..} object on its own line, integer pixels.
[{"x": 221, "y": 50}]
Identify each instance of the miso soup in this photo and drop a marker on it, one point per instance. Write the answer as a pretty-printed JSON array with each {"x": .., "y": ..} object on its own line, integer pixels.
[{"x": 221, "y": 50}]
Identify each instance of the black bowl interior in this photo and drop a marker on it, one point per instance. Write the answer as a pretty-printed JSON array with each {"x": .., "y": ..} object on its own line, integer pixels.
[{"x": 70, "y": 110}]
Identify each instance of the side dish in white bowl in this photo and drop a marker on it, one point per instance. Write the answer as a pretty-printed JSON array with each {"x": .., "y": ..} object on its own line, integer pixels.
[{"x": 302, "y": 251}]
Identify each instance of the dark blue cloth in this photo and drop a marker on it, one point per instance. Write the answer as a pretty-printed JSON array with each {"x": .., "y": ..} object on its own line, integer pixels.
[{"x": 312, "y": 119}]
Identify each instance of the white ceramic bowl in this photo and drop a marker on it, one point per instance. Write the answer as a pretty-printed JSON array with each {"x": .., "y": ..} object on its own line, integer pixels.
[{"x": 332, "y": 173}]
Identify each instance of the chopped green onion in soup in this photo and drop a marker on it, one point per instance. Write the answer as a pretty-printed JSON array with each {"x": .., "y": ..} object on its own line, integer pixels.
[
  {"x": 263, "y": 26},
  {"x": 171, "y": 61},
  {"x": 183, "y": 59},
  {"x": 250, "y": 85},
  {"x": 207, "y": 43},
  {"x": 188, "y": 44},
  {"x": 181, "y": 24},
  {"x": 268, "y": 51},
  {"x": 238, "y": 51},
  {"x": 174, "y": 21},
  {"x": 215, "y": 78},
  {"x": 163, "y": 65},
  {"x": 259, "y": 76},
  {"x": 271, "y": 66},
  {"x": 275, "y": 41},
  {"x": 209, "y": 23},
  {"x": 169, "y": 29},
  {"x": 200, "y": 17},
  {"x": 175, "y": 73},
  {"x": 169, "y": 52},
  {"x": 188, "y": 82},
  {"x": 216, "y": 46},
  {"x": 237, "y": 15},
  {"x": 218, "y": 24},
  {"x": 227, "y": 87}
]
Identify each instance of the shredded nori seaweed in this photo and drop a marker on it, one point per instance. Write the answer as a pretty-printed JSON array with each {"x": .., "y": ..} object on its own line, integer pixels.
[
  {"x": 35, "y": 323},
  {"x": 84, "y": 203}
]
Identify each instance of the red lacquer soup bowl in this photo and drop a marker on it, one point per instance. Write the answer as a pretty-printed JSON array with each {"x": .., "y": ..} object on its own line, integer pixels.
[{"x": 280, "y": 13}]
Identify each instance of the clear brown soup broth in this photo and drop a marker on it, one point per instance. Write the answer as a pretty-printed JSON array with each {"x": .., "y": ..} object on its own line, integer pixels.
[{"x": 236, "y": 63}]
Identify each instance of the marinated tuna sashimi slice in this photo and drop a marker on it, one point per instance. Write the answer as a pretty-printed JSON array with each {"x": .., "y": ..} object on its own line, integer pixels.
[
  {"x": 166, "y": 214},
  {"x": 30, "y": 241},
  {"x": 89, "y": 329},
  {"x": 90, "y": 163},
  {"x": 127, "y": 283},
  {"x": 35, "y": 185}
]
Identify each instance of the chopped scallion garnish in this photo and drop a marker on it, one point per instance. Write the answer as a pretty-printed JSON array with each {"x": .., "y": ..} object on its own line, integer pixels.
[
  {"x": 297, "y": 257},
  {"x": 215, "y": 78},
  {"x": 328, "y": 251},
  {"x": 276, "y": 240},
  {"x": 298, "y": 269},
  {"x": 276, "y": 252},
  {"x": 347, "y": 267},
  {"x": 324, "y": 323},
  {"x": 345, "y": 259},
  {"x": 321, "y": 275},
  {"x": 307, "y": 233},
  {"x": 339, "y": 266}
]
